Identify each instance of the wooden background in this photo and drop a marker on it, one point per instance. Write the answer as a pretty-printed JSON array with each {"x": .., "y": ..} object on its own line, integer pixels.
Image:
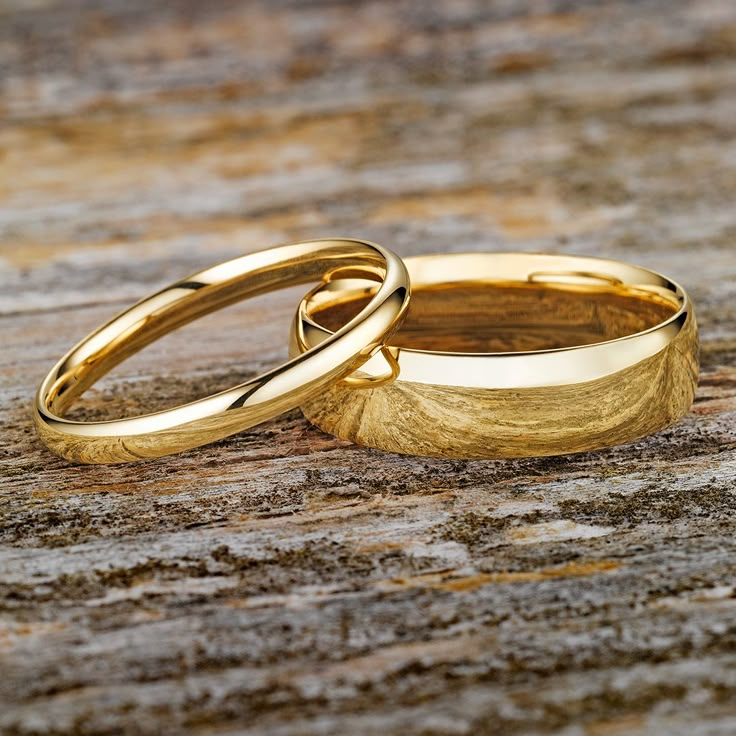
[{"x": 283, "y": 582}]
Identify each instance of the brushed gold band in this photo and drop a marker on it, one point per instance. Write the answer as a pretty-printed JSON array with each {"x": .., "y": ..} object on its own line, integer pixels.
[
  {"x": 621, "y": 362},
  {"x": 236, "y": 409}
]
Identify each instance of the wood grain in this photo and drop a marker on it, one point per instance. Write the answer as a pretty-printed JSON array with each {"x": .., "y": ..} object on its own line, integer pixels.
[{"x": 282, "y": 581}]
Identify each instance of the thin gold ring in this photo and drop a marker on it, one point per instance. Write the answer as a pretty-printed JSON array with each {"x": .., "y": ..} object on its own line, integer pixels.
[
  {"x": 511, "y": 355},
  {"x": 243, "y": 406}
]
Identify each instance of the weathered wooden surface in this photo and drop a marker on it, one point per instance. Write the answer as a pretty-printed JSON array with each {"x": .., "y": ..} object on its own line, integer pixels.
[{"x": 284, "y": 582}]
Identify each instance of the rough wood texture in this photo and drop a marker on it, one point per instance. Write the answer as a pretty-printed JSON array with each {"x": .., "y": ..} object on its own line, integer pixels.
[{"x": 284, "y": 582}]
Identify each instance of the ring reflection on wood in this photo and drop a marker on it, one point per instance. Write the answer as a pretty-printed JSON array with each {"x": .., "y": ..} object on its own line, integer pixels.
[{"x": 513, "y": 355}]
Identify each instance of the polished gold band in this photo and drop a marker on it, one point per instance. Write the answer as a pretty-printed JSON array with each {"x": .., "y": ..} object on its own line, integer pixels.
[
  {"x": 576, "y": 354},
  {"x": 230, "y": 411}
]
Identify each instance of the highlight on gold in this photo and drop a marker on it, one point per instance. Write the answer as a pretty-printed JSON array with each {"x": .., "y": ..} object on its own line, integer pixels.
[
  {"x": 236, "y": 409},
  {"x": 510, "y": 355},
  {"x": 500, "y": 355}
]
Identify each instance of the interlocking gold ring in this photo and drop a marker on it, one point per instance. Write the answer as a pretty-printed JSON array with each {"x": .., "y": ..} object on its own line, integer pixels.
[
  {"x": 236, "y": 409},
  {"x": 511, "y": 355}
]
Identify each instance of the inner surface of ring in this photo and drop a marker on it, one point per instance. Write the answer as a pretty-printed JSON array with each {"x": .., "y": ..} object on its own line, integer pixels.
[
  {"x": 510, "y": 317},
  {"x": 224, "y": 284}
]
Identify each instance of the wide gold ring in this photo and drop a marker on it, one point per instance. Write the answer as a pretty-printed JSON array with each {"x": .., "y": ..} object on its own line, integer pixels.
[
  {"x": 243, "y": 406},
  {"x": 511, "y": 355}
]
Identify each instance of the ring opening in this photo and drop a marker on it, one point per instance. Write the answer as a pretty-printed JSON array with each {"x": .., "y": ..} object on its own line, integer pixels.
[{"x": 518, "y": 316}]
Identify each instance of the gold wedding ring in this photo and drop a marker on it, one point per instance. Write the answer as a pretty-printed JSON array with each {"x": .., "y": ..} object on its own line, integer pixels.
[
  {"x": 250, "y": 403},
  {"x": 510, "y": 355}
]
